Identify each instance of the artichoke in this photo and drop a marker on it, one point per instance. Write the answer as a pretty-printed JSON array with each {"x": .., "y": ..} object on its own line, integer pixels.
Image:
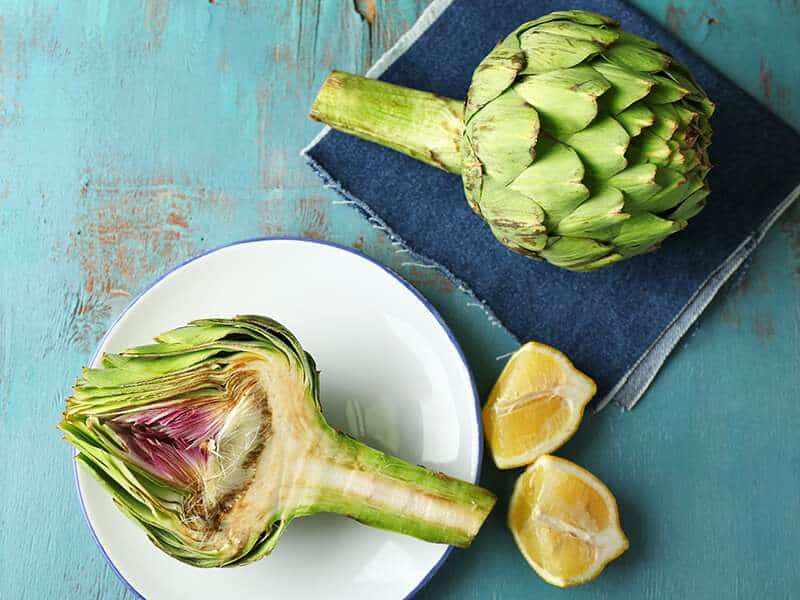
[
  {"x": 212, "y": 441},
  {"x": 579, "y": 143}
]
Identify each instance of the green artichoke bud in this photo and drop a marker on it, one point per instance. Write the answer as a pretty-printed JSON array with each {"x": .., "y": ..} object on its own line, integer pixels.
[
  {"x": 579, "y": 143},
  {"x": 212, "y": 440}
]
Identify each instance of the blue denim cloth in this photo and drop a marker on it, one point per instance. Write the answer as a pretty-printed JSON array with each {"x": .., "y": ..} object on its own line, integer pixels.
[{"x": 607, "y": 320}]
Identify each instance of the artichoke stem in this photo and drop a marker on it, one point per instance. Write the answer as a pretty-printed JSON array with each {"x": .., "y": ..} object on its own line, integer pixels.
[
  {"x": 423, "y": 125},
  {"x": 386, "y": 492}
]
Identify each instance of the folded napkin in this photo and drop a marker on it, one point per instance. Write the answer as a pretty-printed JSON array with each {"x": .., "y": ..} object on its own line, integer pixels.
[{"x": 620, "y": 323}]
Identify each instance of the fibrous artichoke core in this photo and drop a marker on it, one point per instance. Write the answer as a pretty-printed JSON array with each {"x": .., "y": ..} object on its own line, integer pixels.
[
  {"x": 579, "y": 143},
  {"x": 212, "y": 441}
]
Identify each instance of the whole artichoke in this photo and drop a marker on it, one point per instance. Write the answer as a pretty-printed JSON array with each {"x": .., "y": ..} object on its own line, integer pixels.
[
  {"x": 212, "y": 441},
  {"x": 579, "y": 143}
]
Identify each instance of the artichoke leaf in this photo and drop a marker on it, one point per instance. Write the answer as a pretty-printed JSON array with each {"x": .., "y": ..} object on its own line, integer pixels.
[
  {"x": 643, "y": 232},
  {"x": 584, "y": 17},
  {"x": 579, "y": 31},
  {"x": 554, "y": 181},
  {"x": 666, "y": 121},
  {"x": 504, "y": 208},
  {"x": 503, "y": 135},
  {"x": 636, "y": 119},
  {"x": 665, "y": 179},
  {"x": 672, "y": 195},
  {"x": 599, "y": 217},
  {"x": 637, "y": 183},
  {"x": 648, "y": 147},
  {"x": 638, "y": 57},
  {"x": 627, "y": 86},
  {"x": 566, "y": 99},
  {"x": 666, "y": 91},
  {"x": 528, "y": 244},
  {"x": 601, "y": 146},
  {"x": 691, "y": 205},
  {"x": 494, "y": 76},
  {"x": 600, "y": 263},
  {"x": 546, "y": 52},
  {"x": 574, "y": 252},
  {"x": 471, "y": 174}
]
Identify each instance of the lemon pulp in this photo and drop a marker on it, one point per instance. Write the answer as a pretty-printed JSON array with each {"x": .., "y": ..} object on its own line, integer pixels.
[
  {"x": 565, "y": 521},
  {"x": 535, "y": 406}
]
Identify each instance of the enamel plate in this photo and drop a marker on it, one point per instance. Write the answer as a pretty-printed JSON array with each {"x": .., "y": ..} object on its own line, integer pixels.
[{"x": 392, "y": 375}]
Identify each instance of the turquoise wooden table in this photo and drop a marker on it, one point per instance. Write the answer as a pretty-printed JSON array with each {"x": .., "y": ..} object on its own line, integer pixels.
[{"x": 134, "y": 135}]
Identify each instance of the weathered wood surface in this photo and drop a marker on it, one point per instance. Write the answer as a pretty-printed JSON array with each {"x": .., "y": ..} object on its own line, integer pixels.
[{"x": 136, "y": 134}]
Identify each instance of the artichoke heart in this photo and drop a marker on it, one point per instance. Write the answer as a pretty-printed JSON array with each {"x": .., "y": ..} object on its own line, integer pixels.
[
  {"x": 566, "y": 116},
  {"x": 211, "y": 439}
]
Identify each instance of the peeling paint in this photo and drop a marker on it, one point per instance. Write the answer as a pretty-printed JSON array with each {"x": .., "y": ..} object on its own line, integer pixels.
[
  {"x": 705, "y": 25},
  {"x": 272, "y": 161},
  {"x": 19, "y": 54},
  {"x": 790, "y": 6},
  {"x": 37, "y": 26},
  {"x": 790, "y": 225},
  {"x": 155, "y": 21},
  {"x": 176, "y": 219},
  {"x": 87, "y": 314},
  {"x": 675, "y": 17},
  {"x": 313, "y": 216},
  {"x": 2, "y": 42},
  {"x": 263, "y": 96},
  {"x": 5, "y": 363},
  {"x": 764, "y": 328},
  {"x": 429, "y": 279},
  {"x": 284, "y": 57},
  {"x": 367, "y": 16},
  {"x": 224, "y": 65},
  {"x": 747, "y": 282},
  {"x": 421, "y": 276},
  {"x": 732, "y": 293},
  {"x": 4, "y": 119},
  {"x": 304, "y": 42},
  {"x": 765, "y": 79},
  {"x": 719, "y": 7},
  {"x": 776, "y": 94},
  {"x": 425, "y": 279},
  {"x": 270, "y": 226},
  {"x": 9, "y": 118},
  {"x": 731, "y": 314},
  {"x": 127, "y": 234},
  {"x": 242, "y": 4},
  {"x": 366, "y": 10}
]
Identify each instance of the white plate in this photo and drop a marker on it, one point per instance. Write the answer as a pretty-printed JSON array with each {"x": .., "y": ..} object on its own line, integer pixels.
[{"x": 391, "y": 374}]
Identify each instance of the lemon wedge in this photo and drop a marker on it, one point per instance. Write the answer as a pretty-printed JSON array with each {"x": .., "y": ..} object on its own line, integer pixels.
[
  {"x": 535, "y": 406},
  {"x": 565, "y": 521}
]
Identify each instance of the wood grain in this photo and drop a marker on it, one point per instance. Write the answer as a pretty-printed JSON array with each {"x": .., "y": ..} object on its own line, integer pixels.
[{"x": 135, "y": 134}]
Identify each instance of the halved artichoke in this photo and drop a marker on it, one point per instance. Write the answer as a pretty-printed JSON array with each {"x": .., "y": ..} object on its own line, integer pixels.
[{"x": 212, "y": 440}]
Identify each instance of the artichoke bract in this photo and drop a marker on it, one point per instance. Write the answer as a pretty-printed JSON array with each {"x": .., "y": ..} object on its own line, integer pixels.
[
  {"x": 579, "y": 143},
  {"x": 212, "y": 440}
]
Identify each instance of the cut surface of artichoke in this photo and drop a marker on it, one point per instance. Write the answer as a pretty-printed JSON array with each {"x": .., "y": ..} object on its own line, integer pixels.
[
  {"x": 212, "y": 440},
  {"x": 579, "y": 143}
]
